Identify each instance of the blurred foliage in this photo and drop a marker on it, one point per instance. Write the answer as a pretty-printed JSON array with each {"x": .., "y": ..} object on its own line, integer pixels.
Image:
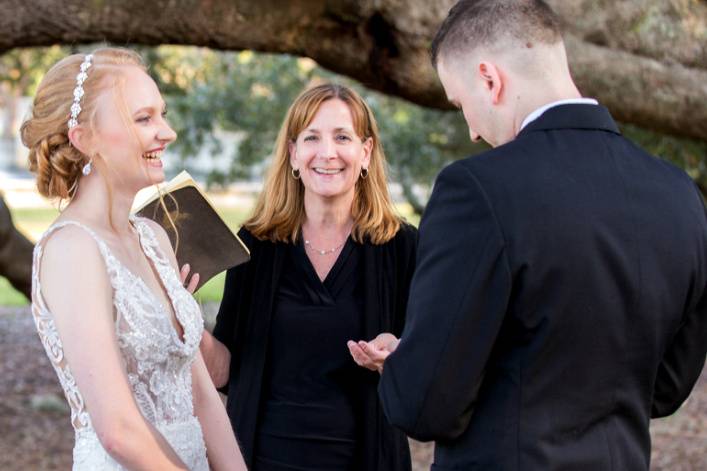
[
  {"x": 22, "y": 69},
  {"x": 688, "y": 154},
  {"x": 246, "y": 93},
  {"x": 249, "y": 93}
]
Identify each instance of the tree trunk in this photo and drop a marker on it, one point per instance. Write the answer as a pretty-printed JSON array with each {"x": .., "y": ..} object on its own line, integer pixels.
[
  {"x": 645, "y": 59},
  {"x": 15, "y": 253}
]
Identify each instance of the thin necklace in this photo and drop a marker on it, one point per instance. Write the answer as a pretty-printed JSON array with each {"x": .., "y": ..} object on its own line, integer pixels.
[{"x": 323, "y": 252}]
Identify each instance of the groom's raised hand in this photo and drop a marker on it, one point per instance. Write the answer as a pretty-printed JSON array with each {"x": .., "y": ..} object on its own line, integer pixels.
[{"x": 372, "y": 355}]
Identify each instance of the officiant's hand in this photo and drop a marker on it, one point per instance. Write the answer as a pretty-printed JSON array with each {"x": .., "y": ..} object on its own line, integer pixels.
[
  {"x": 372, "y": 354},
  {"x": 184, "y": 274}
]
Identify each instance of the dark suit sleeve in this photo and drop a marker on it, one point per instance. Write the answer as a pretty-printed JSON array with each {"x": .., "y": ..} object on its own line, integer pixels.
[
  {"x": 457, "y": 303},
  {"x": 685, "y": 356}
]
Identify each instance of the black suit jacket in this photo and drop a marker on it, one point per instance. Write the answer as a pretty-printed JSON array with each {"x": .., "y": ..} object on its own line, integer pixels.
[
  {"x": 558, "y": 302},
  {"x": 243, "y": 325}
]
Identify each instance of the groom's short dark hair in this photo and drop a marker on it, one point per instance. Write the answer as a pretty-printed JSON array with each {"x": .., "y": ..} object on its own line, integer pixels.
[{"x": 476, "y": 23}]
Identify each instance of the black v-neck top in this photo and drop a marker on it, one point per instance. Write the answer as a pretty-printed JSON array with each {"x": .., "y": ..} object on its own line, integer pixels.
[
  {"x": 312, "y": 385},
  {"x": 246, "y": 320}
]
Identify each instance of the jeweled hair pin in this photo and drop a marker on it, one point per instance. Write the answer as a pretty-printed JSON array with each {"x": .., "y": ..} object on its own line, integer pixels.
[{"x": 78, "y": 91}]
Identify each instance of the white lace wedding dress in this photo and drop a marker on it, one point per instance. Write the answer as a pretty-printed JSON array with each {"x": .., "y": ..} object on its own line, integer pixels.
[{"x": 157, "y": 361}]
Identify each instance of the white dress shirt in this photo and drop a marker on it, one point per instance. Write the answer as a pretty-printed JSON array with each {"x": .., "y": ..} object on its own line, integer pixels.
[{"x": 571, "y": 101}]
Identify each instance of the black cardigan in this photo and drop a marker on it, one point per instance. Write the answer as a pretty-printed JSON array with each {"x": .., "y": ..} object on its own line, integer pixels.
[{"x": 243, "y": 324}]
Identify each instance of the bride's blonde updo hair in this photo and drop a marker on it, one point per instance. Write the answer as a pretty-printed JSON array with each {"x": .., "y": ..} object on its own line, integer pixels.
[{"x": 45, "y": 132}]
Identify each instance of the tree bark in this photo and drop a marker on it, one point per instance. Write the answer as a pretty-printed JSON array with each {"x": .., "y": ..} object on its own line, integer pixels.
[
  {"x": 645, "y": 59},
  {"x": 15, "y": 253}
]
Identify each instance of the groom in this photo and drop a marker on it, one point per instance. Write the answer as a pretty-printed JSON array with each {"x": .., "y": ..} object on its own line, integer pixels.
[{"x": 560, "y": 297}]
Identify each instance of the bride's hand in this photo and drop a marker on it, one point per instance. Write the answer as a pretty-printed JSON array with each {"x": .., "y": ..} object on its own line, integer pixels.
[
  {"x": 184, "y": 274},
  {"x": 372, "y": 355}
]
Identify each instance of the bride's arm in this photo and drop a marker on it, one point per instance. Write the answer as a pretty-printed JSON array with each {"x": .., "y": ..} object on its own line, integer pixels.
[
  {"x": 221, "y": 447},
  {"x": 77, "y": 291}
]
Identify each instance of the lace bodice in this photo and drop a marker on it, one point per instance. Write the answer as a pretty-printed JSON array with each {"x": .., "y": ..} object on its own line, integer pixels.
[{"x": 157, "y": 361}]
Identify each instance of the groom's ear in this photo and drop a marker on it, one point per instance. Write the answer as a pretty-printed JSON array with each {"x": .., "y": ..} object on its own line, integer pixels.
[{"x": 492, "y": 80}]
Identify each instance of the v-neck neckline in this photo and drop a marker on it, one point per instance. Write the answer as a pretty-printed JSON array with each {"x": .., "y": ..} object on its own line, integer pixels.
[
  {"x": 162, "y": 283},
  {"x": 329, "y": 280}
]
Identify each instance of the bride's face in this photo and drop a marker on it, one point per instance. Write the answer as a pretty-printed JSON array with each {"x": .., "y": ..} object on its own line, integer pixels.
[{"x": 131, "y": 130}]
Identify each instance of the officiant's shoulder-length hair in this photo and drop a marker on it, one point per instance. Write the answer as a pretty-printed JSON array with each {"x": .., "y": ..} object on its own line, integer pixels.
[{"x": 279, "y": 211}]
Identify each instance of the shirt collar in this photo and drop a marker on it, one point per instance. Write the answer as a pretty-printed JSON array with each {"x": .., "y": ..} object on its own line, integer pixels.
[{"x": 571, "y": 101}]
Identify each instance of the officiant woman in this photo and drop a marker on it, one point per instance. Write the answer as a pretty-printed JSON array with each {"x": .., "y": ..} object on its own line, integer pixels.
[{"x": 330, "y": 262}]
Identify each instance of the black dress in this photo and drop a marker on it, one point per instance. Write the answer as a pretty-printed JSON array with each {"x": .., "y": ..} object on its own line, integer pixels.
[
  {"x": 246, "y": 320},
  {"x": 308, "y": 419}
]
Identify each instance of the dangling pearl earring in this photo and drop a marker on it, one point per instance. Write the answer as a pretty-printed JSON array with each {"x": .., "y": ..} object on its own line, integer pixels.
[{"x": 87, "y": 168}]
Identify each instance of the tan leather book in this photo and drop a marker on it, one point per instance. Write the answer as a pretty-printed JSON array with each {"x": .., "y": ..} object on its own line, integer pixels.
[{"x": 205, "y": 242}]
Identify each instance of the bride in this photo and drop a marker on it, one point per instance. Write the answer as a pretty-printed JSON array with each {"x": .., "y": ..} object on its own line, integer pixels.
[{"x": 121, "y": 330}]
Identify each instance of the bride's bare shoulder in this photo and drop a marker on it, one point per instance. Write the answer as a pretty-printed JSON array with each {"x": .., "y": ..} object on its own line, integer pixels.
[{"x": 70, "y": 257}]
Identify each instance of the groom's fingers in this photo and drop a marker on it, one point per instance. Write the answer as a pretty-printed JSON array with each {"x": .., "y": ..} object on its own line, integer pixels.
[
  {"x": 385, "y": 341},
  {"x": 375, "y": 357},
  {"x": 376, "y": 354}
]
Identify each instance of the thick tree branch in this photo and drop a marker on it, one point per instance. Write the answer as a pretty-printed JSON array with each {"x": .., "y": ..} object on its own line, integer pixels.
[
  {"x": 15, "y": 253},
  {"x": 644, "y": 59},
  {"x": 670, "y": 31}
]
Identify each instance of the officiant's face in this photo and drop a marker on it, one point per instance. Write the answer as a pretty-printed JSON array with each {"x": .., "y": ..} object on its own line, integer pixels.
[
  {"x": 131, "y": 130},
  {"x": 328, "y": 153}
]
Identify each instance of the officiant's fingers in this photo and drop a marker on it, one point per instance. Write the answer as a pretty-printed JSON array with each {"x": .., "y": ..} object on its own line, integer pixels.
[
  {"x": 360, "y": 357},
  {"x": 368, "y": 355},
  {"x": 193, "y": 283},
  {"x": 356, "y": 353},
  {"x": 184, "y": 272}
]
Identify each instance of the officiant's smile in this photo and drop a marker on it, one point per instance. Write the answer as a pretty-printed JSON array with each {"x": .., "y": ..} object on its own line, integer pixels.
[
  {"x": 328, "y": 155},
  {"x": 329, "y": 250}
]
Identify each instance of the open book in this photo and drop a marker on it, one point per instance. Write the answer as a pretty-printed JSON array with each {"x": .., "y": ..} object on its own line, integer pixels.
[{"x": 205, "y": 242}]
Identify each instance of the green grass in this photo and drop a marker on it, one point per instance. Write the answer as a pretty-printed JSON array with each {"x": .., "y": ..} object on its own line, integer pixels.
[
  {"x": 9, "y": 296},
  {"x": 212, "y": 289}
]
